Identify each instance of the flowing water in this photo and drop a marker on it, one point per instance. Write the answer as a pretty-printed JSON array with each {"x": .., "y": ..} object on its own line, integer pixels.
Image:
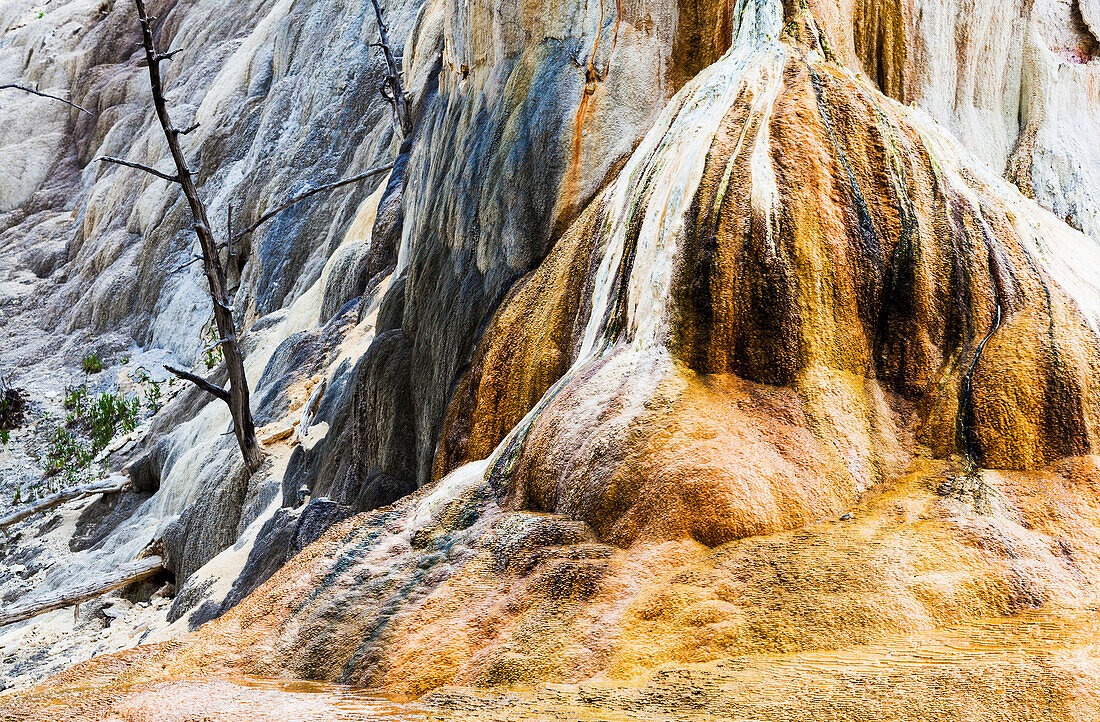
[{"x": 245, "y": 698}]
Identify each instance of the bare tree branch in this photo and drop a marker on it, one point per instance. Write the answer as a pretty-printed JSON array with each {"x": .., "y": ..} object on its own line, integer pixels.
[
  {"x": 35, "y": 91},
  {"x": 139, "y": 166},
  {"x": 177, "y": 269},
  {"x": 319, "y": 189},
  {"x": 161, "y": 57},
  {"x": 199, "y": 381},
  {"x": 400, "y": 105},
  {"x": 212, "y": 346}
]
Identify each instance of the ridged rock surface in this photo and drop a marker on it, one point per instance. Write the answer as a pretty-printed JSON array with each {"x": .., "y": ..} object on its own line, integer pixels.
[{"x": 736, "y": 358}]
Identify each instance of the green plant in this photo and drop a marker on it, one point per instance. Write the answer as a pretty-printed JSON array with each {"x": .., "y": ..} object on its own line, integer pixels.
[
  {"x": 5, "y": 436},
  {"x": 153, "y": 396},
  {"x": 75, "y": 396},
  {"x": 109, "y": 415},
  {"x": 89, "y": 427},
  {"x": 66, "y": 453},
  {"x": 124, "y": 360},
  {"x": 212, "y": 354},
  {"x": 152, "y": 391},
  {"x": 91, "y": 363}
]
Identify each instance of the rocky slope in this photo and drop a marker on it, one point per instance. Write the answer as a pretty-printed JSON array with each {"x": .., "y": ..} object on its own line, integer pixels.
[{"x": 733, "y": 358}]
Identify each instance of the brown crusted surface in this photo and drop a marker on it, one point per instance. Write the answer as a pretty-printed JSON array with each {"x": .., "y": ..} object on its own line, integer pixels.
[
  {"x": 541, "y": 320},
  {"x": 915, "y": 594}
]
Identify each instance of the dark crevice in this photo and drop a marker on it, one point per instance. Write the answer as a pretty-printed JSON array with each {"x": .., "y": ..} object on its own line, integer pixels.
[
  {"x": 1005, "y": 287},
  {"x": 868, "y": 239},
  {"x": 1089, "y": 47},
  {"x": 967, "y": 418}
]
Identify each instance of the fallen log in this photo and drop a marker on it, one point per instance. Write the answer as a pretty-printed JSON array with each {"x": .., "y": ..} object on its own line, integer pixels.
[
  {"x": 126, "y": 574},
  {"x": 106, "y": 486}
]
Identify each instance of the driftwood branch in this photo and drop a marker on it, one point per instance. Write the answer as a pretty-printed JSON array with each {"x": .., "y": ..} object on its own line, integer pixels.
[
  {"x": 139, "y": 166},
  {"x": 107, "y": 486},
  {"x": 122, "y": 576},
  {"x": 35, "y": 91},
  {"x": 393, "y": 79},
  {"x": 199, "y": 381},
  {"x": 310, "y": 193}
]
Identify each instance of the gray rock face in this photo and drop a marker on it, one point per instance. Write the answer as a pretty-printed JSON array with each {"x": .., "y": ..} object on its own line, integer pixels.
[
  {"x": 285, "y": 534},
  {"x": 103, "y": 516},
  {"x": 207, "y": 526},
  {"x": 1090, "y": 13},
  {"x": 276, "y": 112}
]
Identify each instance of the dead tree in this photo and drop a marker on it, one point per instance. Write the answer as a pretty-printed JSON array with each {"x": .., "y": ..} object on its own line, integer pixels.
[
  {"x": 36, "y": 91},
  {"x": 86, "y": 588},
  {"x": 110, "y": 485},
  {"x": 244, "y": 428},
  {"x": 396, "y": 95},
  {"x": 237, "y": 396}
]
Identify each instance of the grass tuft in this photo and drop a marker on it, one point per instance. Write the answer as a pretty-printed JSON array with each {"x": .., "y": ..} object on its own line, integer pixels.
[{"x": 91, "y": 363}]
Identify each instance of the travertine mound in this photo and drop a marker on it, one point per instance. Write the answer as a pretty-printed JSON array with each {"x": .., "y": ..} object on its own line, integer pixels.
[
  {"x": 791, "y": 277},
  {"x": 770, "y": 400},
  {"x": 735, "y": 425}
]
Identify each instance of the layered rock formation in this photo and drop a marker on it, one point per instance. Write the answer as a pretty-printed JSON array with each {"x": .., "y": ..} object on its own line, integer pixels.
[{"x": 700, "y": 349}]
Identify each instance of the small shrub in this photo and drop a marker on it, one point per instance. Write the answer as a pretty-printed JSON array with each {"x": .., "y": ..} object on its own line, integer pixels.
[
  {"x": 75, "y": 398},
  {"x": 13, "y": 402},
  {"x": 152, "y": 390},
  {"x": 66, "y": 453},
  {"x": 153, "y": 396},
  {"x": 212, "y": 354},
  {"x": 91, "y": 363},
  {"x": 111, "y": 414},
  {"x": 88, "y": 428},
  {"x": 124, "y": 360},
  {"x": 5, "y": 436}
]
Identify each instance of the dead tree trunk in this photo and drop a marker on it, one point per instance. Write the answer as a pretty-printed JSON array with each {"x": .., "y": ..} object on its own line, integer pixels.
[
  {"x": 236, "y": 396},
  {"x": 393, "y": 79},
  {"x": 124, "y": 575},
  {"x": 107, "y": 486}
]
